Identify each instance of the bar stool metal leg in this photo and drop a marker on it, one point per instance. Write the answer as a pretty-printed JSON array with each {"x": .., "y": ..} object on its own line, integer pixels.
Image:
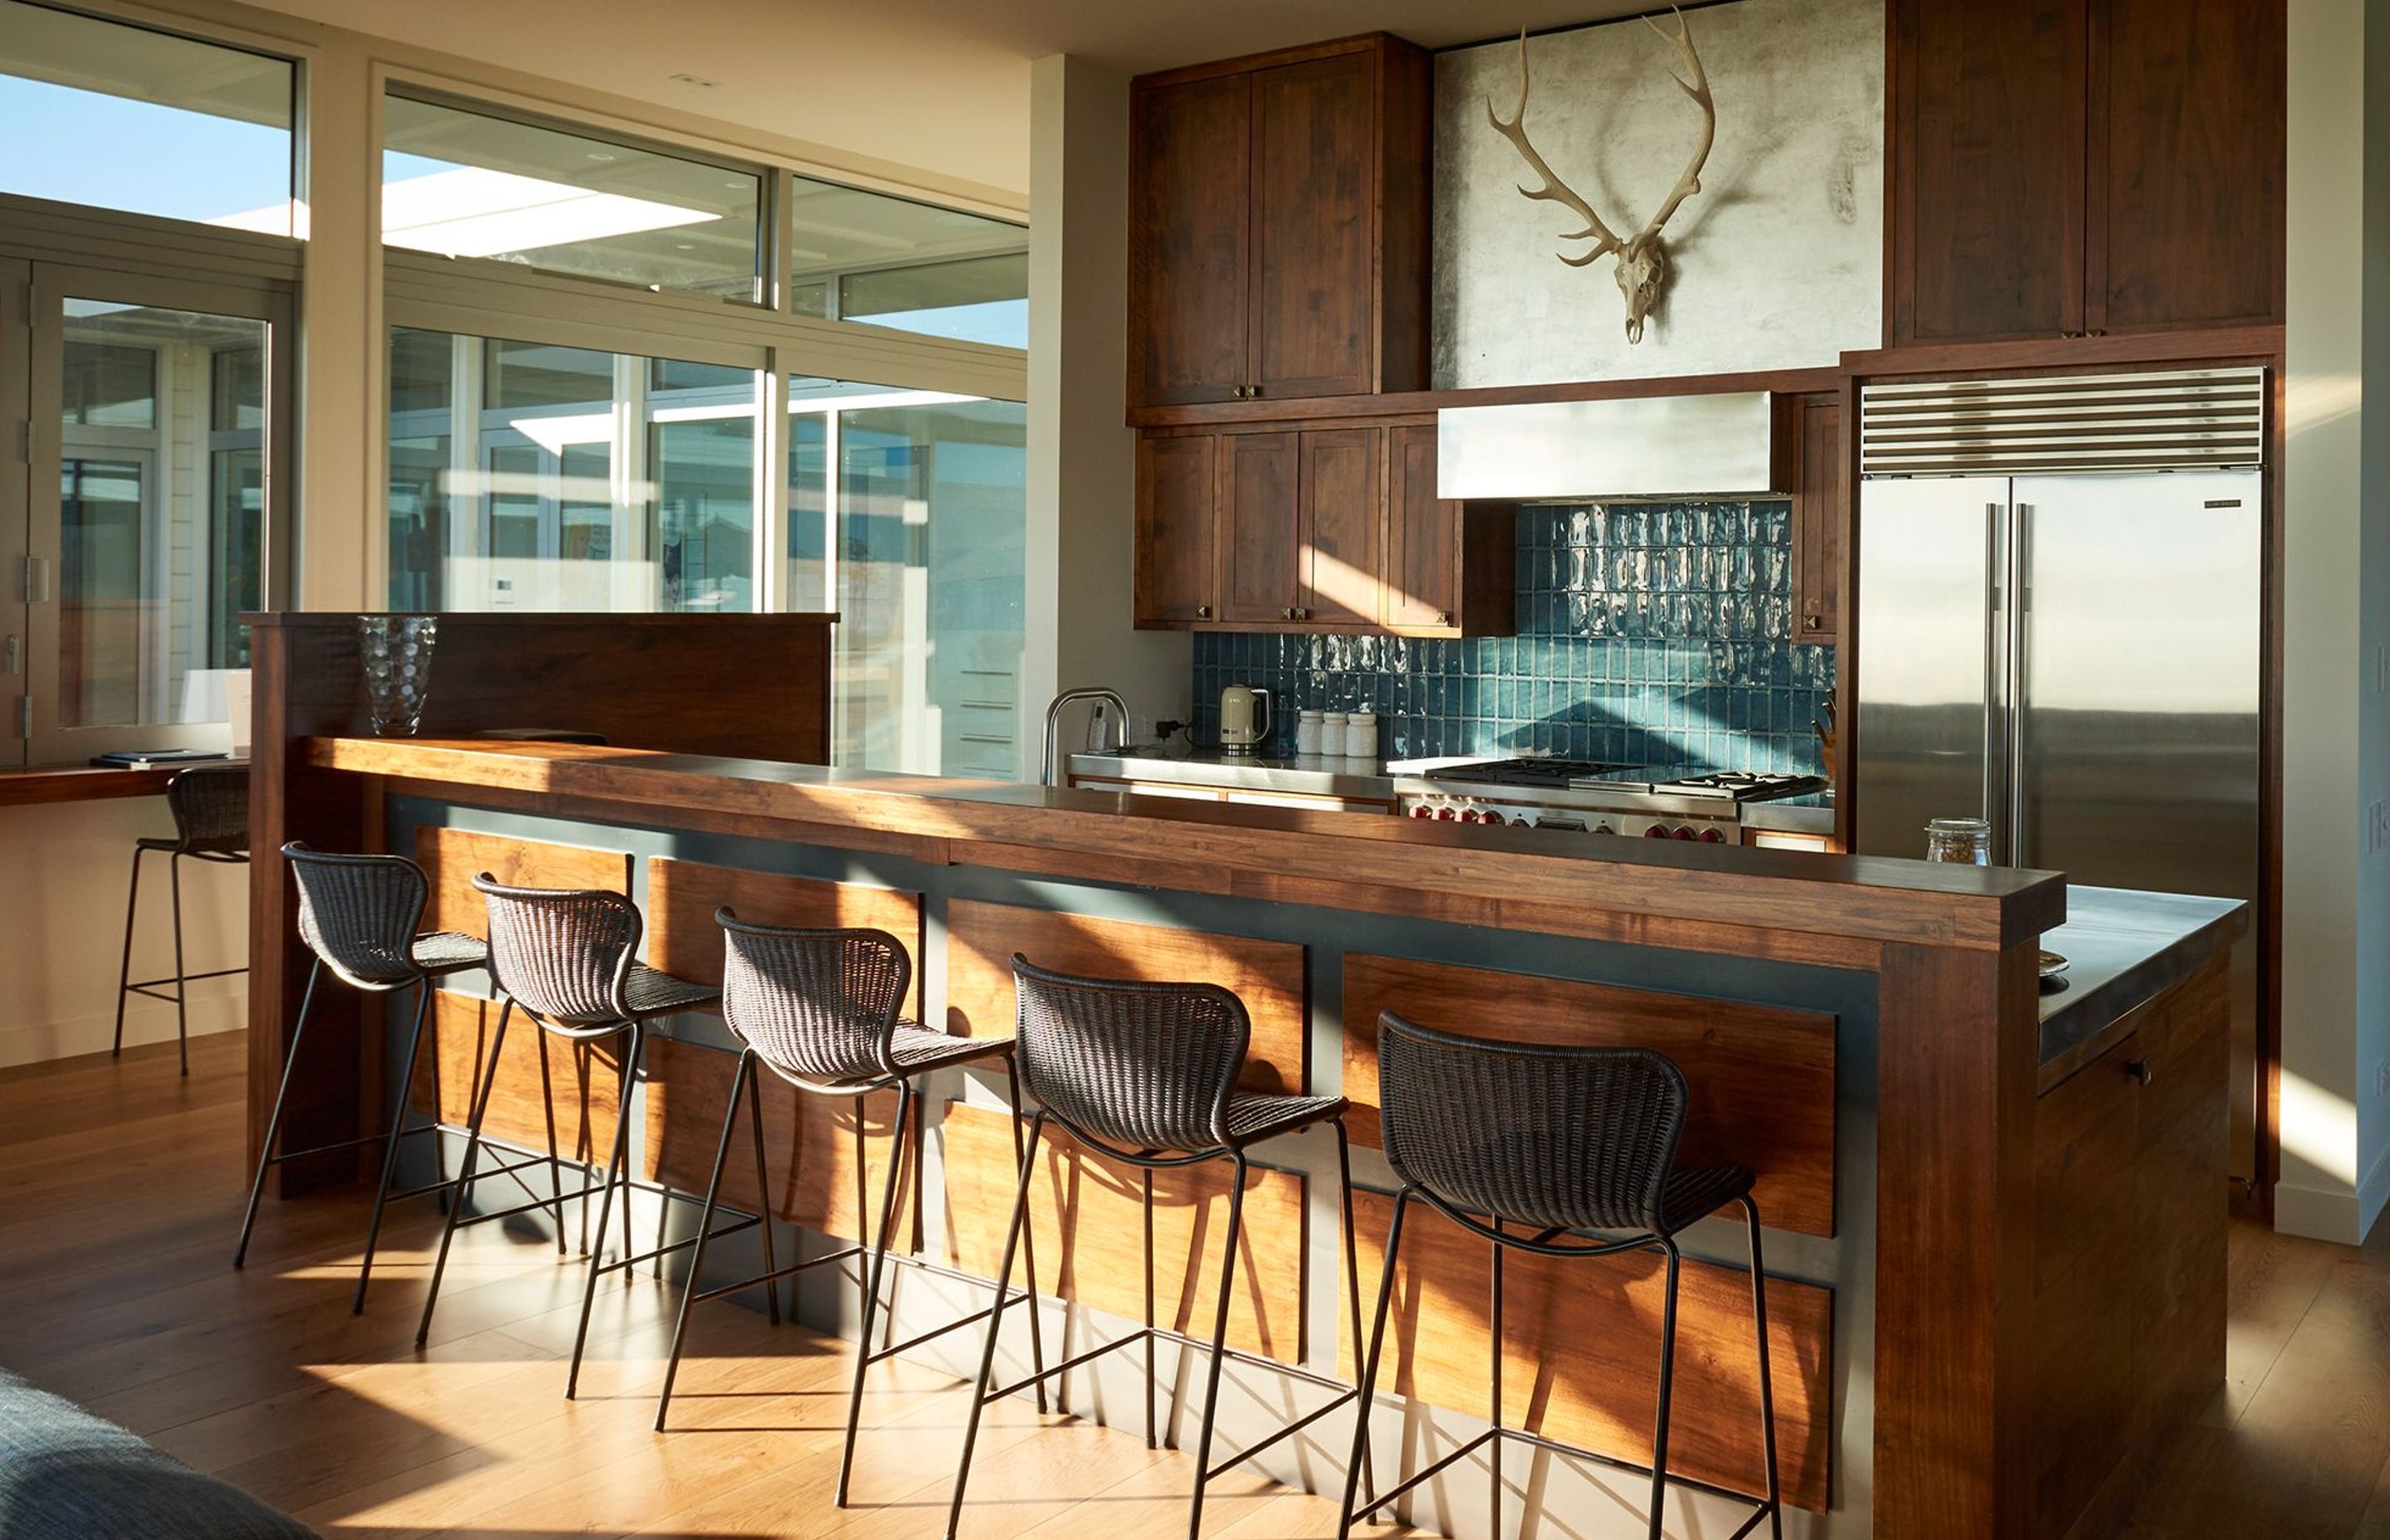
[
  {"x": 1353, "y": 1274},
  {"x": 739, "y": 1082},
  {"x": 1668, "y": 1380},
  {"x": 1766, "y": 1390},
  {"x": 980, "y": 1382},
  {"x": 1369, "y": 1366},
  {"x": 763, "y": 1198},
  {"x": 615, "y": 1170},
  {"x": 390, "y": 1144},
  {"x": 274, "y": 1121},
  {"x": 465, "y": 1171},
  {"x": 125, "y": 968},
  {"x": 182, "y": 979},
  {"x": 873, "y": 1274},
  {"x": 1494, "y": 1339},
  {"x": 1220, "y": 1347},
  {"x": 555, "y": 1166},
  {"x": 1029, "y": 1247},
  {"x": 1148, "y": 1184}
]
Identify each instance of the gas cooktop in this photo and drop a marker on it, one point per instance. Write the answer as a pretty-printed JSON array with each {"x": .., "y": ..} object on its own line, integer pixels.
[{"x": 1534, "y": 773}]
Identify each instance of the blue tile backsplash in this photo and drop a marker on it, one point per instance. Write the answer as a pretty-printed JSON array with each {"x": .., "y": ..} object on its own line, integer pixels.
[{"x": 1647, "y": 635}]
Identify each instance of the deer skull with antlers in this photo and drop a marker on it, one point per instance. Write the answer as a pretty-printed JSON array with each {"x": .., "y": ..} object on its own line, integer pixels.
[{"x": 1643, "y": 269}]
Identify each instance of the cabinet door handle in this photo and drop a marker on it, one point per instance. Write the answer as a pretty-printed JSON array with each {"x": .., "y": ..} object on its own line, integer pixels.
[
  {"x": 1301, "y": 614},
  {"x": 1443, "y": 618},
  {"x": 2140, "y": 1070},
  {"x": 1202, "y": 611}
]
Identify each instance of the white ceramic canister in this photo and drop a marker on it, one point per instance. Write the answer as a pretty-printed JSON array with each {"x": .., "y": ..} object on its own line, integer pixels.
[
  {"x": 1361, "y": 736},
  {"x": 1331, "y": 733},
  {"x": 1307, "y": 733}
]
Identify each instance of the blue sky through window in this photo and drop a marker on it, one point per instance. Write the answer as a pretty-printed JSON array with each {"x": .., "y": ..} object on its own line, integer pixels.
[{"x": 113, "y": 152}]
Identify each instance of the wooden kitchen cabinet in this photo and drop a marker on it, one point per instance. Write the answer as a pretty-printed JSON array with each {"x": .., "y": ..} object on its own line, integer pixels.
[
  {"x": 1342, "y": 522},
  {"x": 1326, "y": 529},
  {"x": 1820, "y": 516},
  {"x": 2064, "y": 167},
  {"x": 1451, "y": 567},
  {"x": 1279, "y": 229},
  {"x": 1176, "y": 477},
  {"x": 1258, "y": 534},
  {"x": 2131, "y": 1230}
]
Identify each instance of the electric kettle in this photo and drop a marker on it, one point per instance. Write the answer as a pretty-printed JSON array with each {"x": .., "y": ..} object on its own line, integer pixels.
[{"x": 1244, "y": 719}]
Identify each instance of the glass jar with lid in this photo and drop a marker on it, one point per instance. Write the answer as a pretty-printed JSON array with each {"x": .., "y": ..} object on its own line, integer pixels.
[{"x": 1962, "y": 841}]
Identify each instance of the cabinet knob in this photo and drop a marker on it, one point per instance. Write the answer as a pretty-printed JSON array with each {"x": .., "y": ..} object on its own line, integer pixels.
[
  {"x": 1811, "y": 620},
  {"x": 1301, "y": 613},
  {"x": 1443, "y": 618},
  {"x": 1202, "y": 611},
  {"x": 1287, "y": 613},
  {"x": 2140, "y": 1070}
]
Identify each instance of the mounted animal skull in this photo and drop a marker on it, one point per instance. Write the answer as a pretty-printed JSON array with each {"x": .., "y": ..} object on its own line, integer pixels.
[{"x": 1642, "y": 259}]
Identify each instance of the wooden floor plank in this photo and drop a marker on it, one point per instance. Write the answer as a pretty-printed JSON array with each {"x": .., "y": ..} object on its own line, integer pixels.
[{"x": 120, "y": 1188}]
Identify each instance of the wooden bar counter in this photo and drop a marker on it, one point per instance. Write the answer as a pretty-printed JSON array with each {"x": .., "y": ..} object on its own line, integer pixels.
[{"x": 1997, "y": 1224}]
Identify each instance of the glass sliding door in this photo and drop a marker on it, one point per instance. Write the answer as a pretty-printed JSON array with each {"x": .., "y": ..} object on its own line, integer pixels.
[
  {"x": 907, "y": 516},
  {"x": 16, "y": 380},
  {"x": 538, "y": 477},
  {"x": 148, "y": 504}
]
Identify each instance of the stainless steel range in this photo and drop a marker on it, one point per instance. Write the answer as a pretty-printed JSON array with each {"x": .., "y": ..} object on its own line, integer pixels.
[{"x": 1673, "y": 803}]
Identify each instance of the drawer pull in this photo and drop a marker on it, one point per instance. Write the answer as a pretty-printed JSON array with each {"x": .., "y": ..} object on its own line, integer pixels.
[{"x": 2140, "y": 1070}]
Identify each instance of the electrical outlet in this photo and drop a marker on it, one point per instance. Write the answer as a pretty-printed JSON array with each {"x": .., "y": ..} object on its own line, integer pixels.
[
  {"x": 2381, "y": 1079},
  {"x": 2382, "y": 668},
  {"x": 2377, "y": 827}
]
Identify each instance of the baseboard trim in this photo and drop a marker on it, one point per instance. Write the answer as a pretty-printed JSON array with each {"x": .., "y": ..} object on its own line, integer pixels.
[{"x": 216, "y": 1005}]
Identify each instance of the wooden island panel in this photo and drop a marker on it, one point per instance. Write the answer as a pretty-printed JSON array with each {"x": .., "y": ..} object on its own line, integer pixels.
[
  {"x": 1762, "y": 1077},
  {"x": 684, "y": 939},
  {"x": 453, "y": 857},
  {"x": 1088, "y": 1228},
  {"x": 809, "y": 1154},
  {"x": 580, "y": 1089},
  {"x": 1268, "y": 976},
  {"x": 1582, "y": 1364}
]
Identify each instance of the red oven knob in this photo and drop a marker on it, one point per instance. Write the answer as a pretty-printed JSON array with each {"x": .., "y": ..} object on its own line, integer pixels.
[
  {"x": 1712, "y": 836},
  {"x": 1657, "y": 831},
  {"x": 1447, "y": 815},
  {"x": 1420, "y": 810},
  {"x": 1494, "y": 818},
  {"x": 1680, "y": 832}
]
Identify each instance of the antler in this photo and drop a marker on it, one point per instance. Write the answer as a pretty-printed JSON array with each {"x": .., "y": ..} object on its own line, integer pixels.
[
  {"x": 1553, "y": 189},
  {"x": 1699, "y": 89}
]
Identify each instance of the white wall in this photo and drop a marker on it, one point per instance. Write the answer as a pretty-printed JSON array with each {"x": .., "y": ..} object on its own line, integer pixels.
[
  {"x": 2335, "y": 716},
  {"x": 1082, "y": 457},
  {"x": 62, "y": 889}
]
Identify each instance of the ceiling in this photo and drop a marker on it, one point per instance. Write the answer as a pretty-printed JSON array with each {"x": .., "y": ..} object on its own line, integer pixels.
[{"x": 939, "y": 84}]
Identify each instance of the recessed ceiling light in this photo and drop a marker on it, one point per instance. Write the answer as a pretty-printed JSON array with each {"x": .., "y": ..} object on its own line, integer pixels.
[
  {"x": 599, "y": 155},
  {"x": 684, "y": 78},
  {"x": 683, "y": 246}
]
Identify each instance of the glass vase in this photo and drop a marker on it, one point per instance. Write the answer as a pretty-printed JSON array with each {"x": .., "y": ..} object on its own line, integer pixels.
[{"x": 396, "y": 652}]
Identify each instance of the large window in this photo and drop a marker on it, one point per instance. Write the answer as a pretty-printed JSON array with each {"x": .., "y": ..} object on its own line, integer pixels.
[
  {"x": 118, "y": 117},
  {"x": 887, "y": 262},
  {"x": 464, "y": 185},
  {"x": 906, "y": 515},
  {"x": 528, "y": 476}
]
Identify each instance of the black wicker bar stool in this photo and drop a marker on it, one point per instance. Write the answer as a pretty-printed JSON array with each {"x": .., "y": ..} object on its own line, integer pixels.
[
  {"x": 820, "y": 1009},
  {"x": 1146, "y": 1073},
  {"x": 211, "y": 807},
  {"x": 358, "y": 914},
  {"x": 568, "y": 959},
  {"x": 1557, "y": 1141}
]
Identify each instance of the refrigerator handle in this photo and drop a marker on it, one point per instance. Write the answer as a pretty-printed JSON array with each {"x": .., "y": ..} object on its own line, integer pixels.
[
  {"x": 1994, "y": 700},
  {"x": 2020, "y": 634}
]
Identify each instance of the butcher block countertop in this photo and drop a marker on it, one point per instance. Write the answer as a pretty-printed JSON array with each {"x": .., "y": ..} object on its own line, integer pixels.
[{"x": 1798, "y": 905}]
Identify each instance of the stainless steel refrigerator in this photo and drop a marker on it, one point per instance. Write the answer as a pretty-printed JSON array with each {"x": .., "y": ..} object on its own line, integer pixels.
[{"x": 2060, "y": 631}]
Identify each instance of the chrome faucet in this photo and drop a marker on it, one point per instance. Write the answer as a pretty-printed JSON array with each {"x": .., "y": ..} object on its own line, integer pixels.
[{"x": 1053, "y": 763}]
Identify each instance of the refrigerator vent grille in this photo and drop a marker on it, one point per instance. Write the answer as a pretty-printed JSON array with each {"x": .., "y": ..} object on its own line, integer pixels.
[{"x": 2196, "y": 419}]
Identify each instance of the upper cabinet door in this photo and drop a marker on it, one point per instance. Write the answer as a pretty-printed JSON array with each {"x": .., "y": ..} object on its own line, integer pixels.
[
  {"x": 1422, "y": 536},
  {"x": 1315, "y": 186},
  {"x": 1343, "y": 519},
  {"x": 1259, "y": 537},
  {"x": 1191, "y": 255},
  {"x": 1987, "y": 125},
  {"x": 2187, "y": 179}
]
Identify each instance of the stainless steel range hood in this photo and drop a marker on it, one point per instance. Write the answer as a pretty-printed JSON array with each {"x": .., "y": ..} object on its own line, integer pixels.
[{"x": 1654, "y": 448}]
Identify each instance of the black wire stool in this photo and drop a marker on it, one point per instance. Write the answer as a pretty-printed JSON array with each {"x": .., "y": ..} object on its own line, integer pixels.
[
  {"x": 358, "y": 914},
  {"x": 819, "y": 1009},
  {"x": 1558, "y": 1140},
  {"x": 211, "y": 808},
  {"x": 1146, "y": 1073},
  {"x": 567, "y": 958}
]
